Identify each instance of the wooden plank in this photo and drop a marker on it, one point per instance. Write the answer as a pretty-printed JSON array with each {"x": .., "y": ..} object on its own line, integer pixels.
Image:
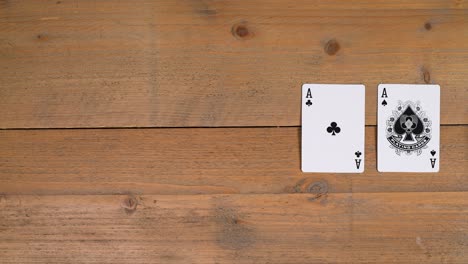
[
  {"x": 200, "y": 161},
  {"x": 218, "y": 63},
  {"x": 294, "y": 228}
]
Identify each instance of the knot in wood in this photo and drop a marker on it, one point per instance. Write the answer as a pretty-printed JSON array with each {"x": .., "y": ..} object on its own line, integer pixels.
[
  {"x": 129, "y": 204},
  {"x": 426, "y": 75},
  {"x": 318, "y": 189},
  {"x": 332, "y": 47},
  {"x": 241, "y": 31},
  {"x": 428, "y": 26}
]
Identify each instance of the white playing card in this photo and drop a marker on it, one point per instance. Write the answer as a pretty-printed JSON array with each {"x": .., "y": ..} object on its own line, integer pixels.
[
  {"x": 333, "y": 128},
  {"x": 408, "y": 128}
]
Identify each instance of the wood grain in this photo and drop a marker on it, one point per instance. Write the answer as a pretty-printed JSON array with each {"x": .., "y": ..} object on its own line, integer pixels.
[
  {"x": 200, "y": 161},
  {"x": 218, "y": 63},
  {"x": 162, "y": 194},
  {"x": 295, "y": 228}
]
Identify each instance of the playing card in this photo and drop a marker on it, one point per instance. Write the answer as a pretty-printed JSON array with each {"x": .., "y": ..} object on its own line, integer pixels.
[
  {"x": 408, "y": 128},
  {"x": 333, "y": 128}
]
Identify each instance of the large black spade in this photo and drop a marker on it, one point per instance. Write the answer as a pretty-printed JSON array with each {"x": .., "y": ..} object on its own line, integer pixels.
[{"x": 408, "y": 123}]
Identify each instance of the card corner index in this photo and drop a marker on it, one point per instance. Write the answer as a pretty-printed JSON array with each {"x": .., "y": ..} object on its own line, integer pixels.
[
  {"x": 380, "y": 88},
  {"x": 305, "y": 86}
]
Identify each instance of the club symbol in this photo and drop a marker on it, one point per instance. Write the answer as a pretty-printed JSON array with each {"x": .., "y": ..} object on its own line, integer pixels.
[
  {"x": 333, "y": 128},
  {"x": 358, "y": 160},
  {"x": 308, "y": 103},
  {"x": 384, "y": 103},
  {"x": 433, "y": 152}
]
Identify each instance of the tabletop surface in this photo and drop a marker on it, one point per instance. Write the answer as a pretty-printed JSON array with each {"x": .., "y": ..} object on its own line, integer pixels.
[{"x": 169, "y": 131}]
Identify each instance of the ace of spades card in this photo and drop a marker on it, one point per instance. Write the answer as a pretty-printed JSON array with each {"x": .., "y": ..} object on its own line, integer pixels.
[
  {"x": 408, "y": 128},
  {"x": 333, "y": 128}
]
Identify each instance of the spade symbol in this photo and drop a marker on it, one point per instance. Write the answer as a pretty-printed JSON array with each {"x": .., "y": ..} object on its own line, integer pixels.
[
  {"x": 333, "y": 128},
  {"x": 384, "y": 103},
  {"x": 433, "y": 152},
  {"x": 408, "y": 123}
]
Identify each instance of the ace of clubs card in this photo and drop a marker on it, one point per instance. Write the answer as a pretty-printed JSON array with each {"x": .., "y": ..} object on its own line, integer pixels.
[
  {"x": 408, "y": 128},
  {"x": 333, "y": 117}
]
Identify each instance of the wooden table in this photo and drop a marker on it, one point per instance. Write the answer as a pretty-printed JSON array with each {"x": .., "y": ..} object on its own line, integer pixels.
[{"x": 169, "y": 132}]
